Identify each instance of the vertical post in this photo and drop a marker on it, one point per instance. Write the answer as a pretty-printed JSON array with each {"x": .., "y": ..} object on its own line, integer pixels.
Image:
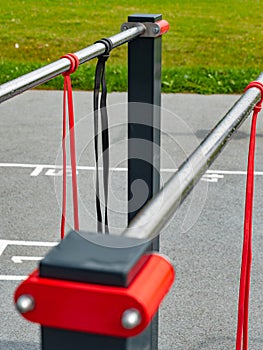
[{"x": 144, "y": 98}]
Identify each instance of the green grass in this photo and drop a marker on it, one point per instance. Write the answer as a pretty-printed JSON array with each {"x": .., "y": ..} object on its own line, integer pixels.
[{"x": 212, "y": 46}]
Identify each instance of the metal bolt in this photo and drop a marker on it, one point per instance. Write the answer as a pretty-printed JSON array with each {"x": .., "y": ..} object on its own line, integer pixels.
[
  {"x": 156, "y": 29},
  {"x": 131, "y": 318},
  {"x": 124, "y": 27},
  {"x": 25, "y": 303}
]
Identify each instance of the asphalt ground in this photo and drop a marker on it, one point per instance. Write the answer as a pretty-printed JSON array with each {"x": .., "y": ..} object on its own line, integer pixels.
[{"x": 203, "y": 240}]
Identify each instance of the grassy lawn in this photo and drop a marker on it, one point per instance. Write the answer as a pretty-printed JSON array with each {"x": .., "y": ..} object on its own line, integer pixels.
[{"x": 212, "y": 46}]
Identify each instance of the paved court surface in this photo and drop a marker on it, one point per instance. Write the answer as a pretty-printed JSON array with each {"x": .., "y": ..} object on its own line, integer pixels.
[{"x": 203, "y": 240}]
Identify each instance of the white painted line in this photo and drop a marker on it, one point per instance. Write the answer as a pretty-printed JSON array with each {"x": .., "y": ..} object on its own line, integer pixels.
[
  {"x": 52, "y": 172},
  {"x": 232, "y": 172},
  {"x": 12, "y": 278},
  {"x": 39, "y": 167},
  {"x": 223, "y": 172},
  {"x": 212, "y": 177},
  {"x": 20, "y": 259},
  {"x": 20, "y": 165},
  {"x": 4, "y": 243},
  {"x": 37, "y": 170}
]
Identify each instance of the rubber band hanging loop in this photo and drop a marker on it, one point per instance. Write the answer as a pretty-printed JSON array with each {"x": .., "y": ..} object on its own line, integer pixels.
[
  {"x": 67, "y": 97},
  {"x": 244, "y": 289},
  {"x": 258, "y": 85},
  {"x": 74, "y": 63},
  {"x": 101, "y": 81},
  {"x": 108, "y": 47}
]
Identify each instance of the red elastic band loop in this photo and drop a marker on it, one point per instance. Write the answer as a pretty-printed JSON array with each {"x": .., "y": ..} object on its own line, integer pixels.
[
  {"x": 258, "y": 85},
  {"x": 74, "y": 63},
  {"x": 68, "y": 102},
  {"x": 245, "y": 271}
]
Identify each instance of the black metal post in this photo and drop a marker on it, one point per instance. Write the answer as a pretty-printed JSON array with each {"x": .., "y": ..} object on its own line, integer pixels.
[{"x": 144, "y": 97}]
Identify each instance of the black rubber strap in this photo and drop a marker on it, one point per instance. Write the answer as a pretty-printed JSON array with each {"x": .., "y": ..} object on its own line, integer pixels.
[{"x": 100, "y": 81}]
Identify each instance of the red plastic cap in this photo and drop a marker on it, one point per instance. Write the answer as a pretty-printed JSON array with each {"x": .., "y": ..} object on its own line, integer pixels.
[{"x": 164, "y": 26}]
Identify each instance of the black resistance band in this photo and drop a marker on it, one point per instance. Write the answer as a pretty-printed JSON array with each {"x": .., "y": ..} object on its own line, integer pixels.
[{"x": 100, "y": 81}]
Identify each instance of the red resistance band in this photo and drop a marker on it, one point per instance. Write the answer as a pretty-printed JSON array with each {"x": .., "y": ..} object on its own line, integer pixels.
[
  {"x": 68, "y": 99},
  {"x": 243, "y": 304}
]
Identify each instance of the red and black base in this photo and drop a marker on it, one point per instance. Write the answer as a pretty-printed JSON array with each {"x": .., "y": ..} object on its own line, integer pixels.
[{"x": 96, "y": 292}]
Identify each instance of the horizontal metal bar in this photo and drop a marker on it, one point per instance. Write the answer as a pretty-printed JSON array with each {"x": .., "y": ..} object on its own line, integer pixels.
[
  {"x": 46, "y": 73},
  {"x": 155, "y": 214}
]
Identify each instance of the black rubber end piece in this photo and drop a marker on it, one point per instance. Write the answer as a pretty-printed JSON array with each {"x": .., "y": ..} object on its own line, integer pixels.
[{"x": 96, "y": 258}]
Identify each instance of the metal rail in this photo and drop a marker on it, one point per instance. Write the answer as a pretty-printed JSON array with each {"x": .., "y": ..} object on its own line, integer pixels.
[
  {"x": 46, "y": 73},
  {"x": 152, "y": 218}
]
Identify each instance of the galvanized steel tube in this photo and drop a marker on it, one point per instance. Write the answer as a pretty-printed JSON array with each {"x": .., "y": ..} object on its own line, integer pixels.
[
  {"x": 46, "y": 73},
  {"x": 152, "y": 218}
]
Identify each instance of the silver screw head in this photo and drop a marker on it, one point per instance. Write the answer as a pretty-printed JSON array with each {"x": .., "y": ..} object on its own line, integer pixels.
[
  {"x": 25, "y": 303},
  {"x": 131, "y": 318},
  {"x": 156, "y": 29},
  {"x": 124, "y": 27}
]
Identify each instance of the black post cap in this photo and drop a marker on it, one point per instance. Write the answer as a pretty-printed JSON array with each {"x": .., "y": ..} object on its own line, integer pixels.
[{"x": 96, "y": 258}]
